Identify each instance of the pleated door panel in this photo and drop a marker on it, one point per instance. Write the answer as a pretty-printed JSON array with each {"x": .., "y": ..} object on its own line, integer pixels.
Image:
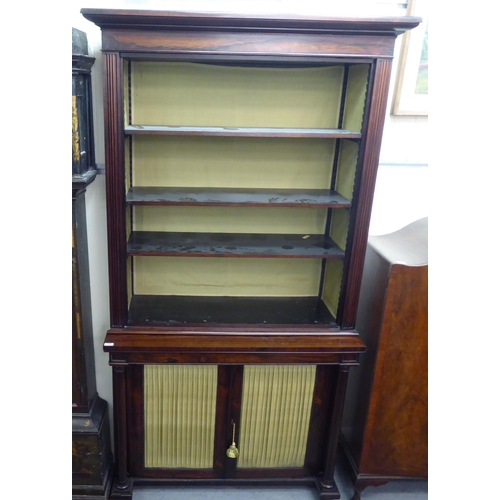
[
  {"x": 179, "y": 416},
  {"x": 275, "y": 415}
]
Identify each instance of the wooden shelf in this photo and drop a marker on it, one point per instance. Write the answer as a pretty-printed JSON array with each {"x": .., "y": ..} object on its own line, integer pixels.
[
  {"x": 181, "y": 310},
  {"x": 314, "y": 198},
  {"x": 322, "y": 133},
  {"x": 156, "y": 243}
]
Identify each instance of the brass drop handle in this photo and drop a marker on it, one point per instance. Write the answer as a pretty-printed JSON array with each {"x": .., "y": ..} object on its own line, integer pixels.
[{"x": 232, "y": 451}]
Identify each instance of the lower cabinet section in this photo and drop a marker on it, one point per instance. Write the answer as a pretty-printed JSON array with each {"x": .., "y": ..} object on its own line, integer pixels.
[
  {"x": 184, "y": 418},
  {"x": 265, "y": 418},
  {"x": 180, "y": 410}
]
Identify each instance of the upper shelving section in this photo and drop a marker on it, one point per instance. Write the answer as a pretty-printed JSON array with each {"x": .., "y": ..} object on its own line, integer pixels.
[{"x": 241, "y": 160}]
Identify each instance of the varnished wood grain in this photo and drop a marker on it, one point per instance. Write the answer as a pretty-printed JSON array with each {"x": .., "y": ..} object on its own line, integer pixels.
[
  {"x": 385, "y": 423},
  {"x": 236, "y": 44},
  {"x": 397, "y": 420},
  {"x": 136, "y": 345},
  {"x": 230, "y": 21},
  {"x": 137, "y": 339}
]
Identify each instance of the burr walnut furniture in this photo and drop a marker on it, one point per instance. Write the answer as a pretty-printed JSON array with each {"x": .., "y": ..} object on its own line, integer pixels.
[
  {"x": 384, "y": 427},
  {"x": 241, "y": 155}
]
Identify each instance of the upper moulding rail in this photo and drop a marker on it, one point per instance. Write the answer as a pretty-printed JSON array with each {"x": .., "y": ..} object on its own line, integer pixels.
[
  {"x": 221, "y": 21},
  {"x": 259, "y": 61}
]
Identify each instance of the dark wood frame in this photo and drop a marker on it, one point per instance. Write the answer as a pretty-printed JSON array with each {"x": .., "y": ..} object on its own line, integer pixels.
[{"x": 266, "y": 40}]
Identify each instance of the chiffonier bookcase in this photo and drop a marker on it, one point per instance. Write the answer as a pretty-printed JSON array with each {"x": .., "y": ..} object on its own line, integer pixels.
[{"x": 241, "y": 156}]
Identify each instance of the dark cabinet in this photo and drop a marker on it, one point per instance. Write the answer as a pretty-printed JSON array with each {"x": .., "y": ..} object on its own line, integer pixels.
[
  {"x": 241, "y": 155},
  {"x": 91, "y": 439}
]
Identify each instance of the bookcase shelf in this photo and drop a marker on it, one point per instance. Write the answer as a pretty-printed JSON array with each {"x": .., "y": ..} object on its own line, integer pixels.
[
  {"x": 233, "y": 245},
  {"x": 241, "y": 132},
  {"x": 204, "y": 310},
  {"x": 237, "y": 197}
]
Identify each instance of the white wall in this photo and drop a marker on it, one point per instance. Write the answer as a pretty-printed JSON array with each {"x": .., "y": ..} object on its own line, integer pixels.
[{"x": 401, "y": 181}]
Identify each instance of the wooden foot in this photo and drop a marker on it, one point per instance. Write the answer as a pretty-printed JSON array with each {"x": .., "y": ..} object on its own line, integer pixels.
[
  {"x": 327, "y": 491},
  {"x": 361, "y": 484},
  {"x": 357, "y": 493},
  {"x": 121, "y": 491}
]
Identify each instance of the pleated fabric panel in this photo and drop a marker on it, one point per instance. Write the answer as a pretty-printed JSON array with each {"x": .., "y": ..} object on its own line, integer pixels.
[
  {"x": 179, "y": 415},
  {"x": 275, "y": 415}
]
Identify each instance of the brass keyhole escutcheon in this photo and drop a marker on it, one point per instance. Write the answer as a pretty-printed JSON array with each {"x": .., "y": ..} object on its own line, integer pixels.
[{"x": 232, "y": 451}]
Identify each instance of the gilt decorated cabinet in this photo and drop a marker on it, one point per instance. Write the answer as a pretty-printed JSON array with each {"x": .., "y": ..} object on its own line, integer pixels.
[{"x": 241, "y": 156}]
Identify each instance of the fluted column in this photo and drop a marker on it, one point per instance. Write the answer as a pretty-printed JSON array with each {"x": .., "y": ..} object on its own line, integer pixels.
[{"x": 115, "y": 186}]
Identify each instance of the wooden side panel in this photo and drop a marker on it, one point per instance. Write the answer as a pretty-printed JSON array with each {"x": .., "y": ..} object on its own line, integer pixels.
[
  {"x": 364, "y": 187},
  {"x": 397, "y": 421}
]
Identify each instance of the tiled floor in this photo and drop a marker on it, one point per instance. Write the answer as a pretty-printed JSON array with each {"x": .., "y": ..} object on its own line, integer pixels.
[{"x": 395, "y": 490}]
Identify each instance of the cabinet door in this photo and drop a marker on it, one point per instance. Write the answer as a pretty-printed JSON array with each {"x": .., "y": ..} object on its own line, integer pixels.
[
  {"x": 173, "y": 421},
  {"x": 275, "y": 415},
  {"x": 182, "y": 419}
]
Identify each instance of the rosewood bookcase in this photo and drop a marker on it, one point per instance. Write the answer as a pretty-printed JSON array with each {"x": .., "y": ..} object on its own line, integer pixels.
[{"x": 241, "y": 156}]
